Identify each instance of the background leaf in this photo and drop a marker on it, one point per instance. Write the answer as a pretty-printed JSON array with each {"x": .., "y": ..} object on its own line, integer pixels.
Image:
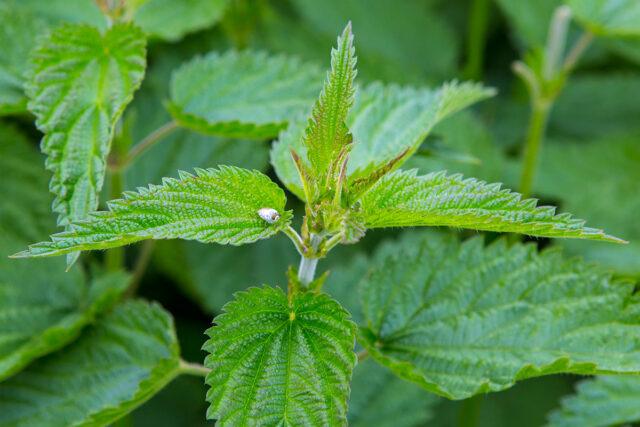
[
  {"x": 380, "y": 398},
  {"x": 119, "y": 364},
  {"x": 608, "y": 17},
  {"x": 463, "y": 319},
  {"x": 80, "y": 82},
  {"x": 602, "y": 401},
  {"x": 242, "y": 94},
  {"x": 278, "y": 361},
  {"x": 172, "y": 19}
]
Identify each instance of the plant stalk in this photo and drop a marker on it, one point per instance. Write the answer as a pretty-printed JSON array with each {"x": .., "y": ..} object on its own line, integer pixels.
[
  {"x": 149, "y": 141},
  {"x": 195, "y": 369},
  {"x": 476, "y": 38},
  {"x": 535, "y": 135},
  {"x": 307, "y": 267},
  {"x": 114, "y": 257}
]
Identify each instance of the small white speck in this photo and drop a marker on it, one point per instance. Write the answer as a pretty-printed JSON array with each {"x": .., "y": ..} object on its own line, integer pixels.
[{"x": 268, "y": 214}]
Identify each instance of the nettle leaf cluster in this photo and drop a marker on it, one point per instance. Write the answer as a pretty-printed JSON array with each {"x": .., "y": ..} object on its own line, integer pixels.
[{"x": 455, "y": 318}]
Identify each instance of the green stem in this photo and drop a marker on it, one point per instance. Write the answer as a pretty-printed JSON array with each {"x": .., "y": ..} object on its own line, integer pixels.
[
  {"x": 114, "y": 258},
  {"x": 150, "y": 140},
  {"x": 476, "y": 38},
  {"x": 195, "y": 369},
  {"x": 576, "y": 51},
  {"x": 535, "y": 135},
  {"x": 470, "y": 411},
  {"x": 296, "y": 239},
  {"x": 140, "y": 267},
  {"x": 307, "y": 267}
]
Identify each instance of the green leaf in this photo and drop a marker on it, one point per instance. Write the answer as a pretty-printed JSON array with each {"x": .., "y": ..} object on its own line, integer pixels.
[
  {"x": 277, "y": 361},
  {"x": 242, "y": 94},
  {"x": 403, "y": 199},
  {"x": 386, "y": 121},
  {"x": 387, "y": 44},
  {"x": 529, "y": 20},
  {"x": 214, "y": 206},
  {"x": 463, "y": 319},
  {"x": 617, "y": 109},
  {"x": 326, "y": 135},
  {"x": 172, "y": 19},
  {"x": 21, "y": 23},
  {"x": 43, "y": 308},
  {"x": 608, "y": 17},
  {"x": 610, "y": 167},
  {"x": 381, "y": 399},
  {"x": 116, "y": 366},
  {"x": 192, "y": 266},
  {"x": 79, "y": 83},
  {"x": 602, "y": 401},
  {"x": 25, "y": 214}
]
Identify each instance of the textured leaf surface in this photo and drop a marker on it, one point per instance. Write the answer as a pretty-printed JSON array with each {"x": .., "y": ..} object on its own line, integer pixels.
[
  {"x": 213, "y": 206},
  {"x": 21, "y": 23},
  {"x": 608, "y": 17},
  {"x": 385, "y": 122},
  {"x": 80, "y": 81},
  {"x": 280, "y": 362},
  {"x": 610, "y": 167},
  {"x": 403, "y": 199},
  {"x": 602, "y": 401},
  {"x": 326, "y": 134},
  {"x": 462, "y": 319},
  {"x": 381, "y": 399},
  {"x": 25, "y": 214},
  {"x": 43, "y": 308},
  {"x": 114, "y": 367},
  {"x": 242, "y": 94},
  {"x": 172, "y": 19}
]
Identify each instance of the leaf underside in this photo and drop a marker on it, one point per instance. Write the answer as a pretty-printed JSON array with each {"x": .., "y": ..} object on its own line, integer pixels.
[
  {"x": 78, "y": 85},
  {"x": 242, "y": 94},
  {"x": 127, "y": 357},
  {"x": 403, "y": 199},
  {"x": 276, "y": 362},
  {"x": 212, "y": 206},
  {"x": 463, "y": 319},
  {"x": 608, "y": 17}
]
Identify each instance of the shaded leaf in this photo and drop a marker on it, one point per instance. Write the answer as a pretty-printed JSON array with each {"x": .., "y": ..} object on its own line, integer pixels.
[
  {"x": 117, "y": 365},
  {"x": 404, "y": 199},
  {"x": 610, "y": 167},
  {"x": 276, "y": 361},
  {"x": 79, "y": 83},
  {"x": 172, "y": 19},
  {"x": 193, "y": 266},
  {"x": 617, "y": 109},
  {"x": 380, "y": 398},
  {"x": 242, "y": 94},
  {"x": 213, "y": 206},
  {"x": 463, "y": 319},
  {"x": 602, "y": 401},
  {"x": 608, "y": 17},
  {"x": 21, "y": 23}
]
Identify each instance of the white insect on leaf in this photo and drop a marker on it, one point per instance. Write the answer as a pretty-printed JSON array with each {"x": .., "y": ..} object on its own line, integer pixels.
[{"x": 269, "y": 214}]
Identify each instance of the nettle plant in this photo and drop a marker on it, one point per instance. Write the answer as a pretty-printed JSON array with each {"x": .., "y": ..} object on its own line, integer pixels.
[{"x": 456, "y": 318}]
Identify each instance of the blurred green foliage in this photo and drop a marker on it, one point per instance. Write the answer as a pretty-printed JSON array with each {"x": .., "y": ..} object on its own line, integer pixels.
[{"x": 590, "y": 162}]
